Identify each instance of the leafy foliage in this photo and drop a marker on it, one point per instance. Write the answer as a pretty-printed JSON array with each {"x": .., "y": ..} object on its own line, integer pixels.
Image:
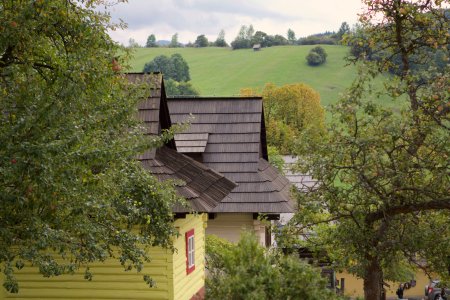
[
  {"x": 325, "y": 38},
  {"x": 151, "y": 41},
  {"x": 314, "y": 59},
  {"x": 174, "y": 41},
  {"x": 291, "y": 36},
  {"x": 133, "y": 44},
  {"x": 384, "y": 179},
  {"x": 248, "y": 271},
  {"x": 176, "y": 74},
  {"x": 247, "y": 37},
  {"x": 201, "y": 41},
  {"x": 243, "y": 40},
  {"x": 343, "y": 30},
  {"x": 220, "y": 41},
  {"x": 275, "y": 158},
  {"x": 291, "y": 110},
  {"x": 364, "y": 47},
  {"x": 183, "y": 88},
  {"x": 173, "y": 67},
  {"x": 70, "y": 187},
  {"x": 316, "y": 56}
]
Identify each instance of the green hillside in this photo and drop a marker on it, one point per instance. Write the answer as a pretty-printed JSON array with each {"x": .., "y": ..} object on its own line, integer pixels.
[{"x": 223, "y": 72}]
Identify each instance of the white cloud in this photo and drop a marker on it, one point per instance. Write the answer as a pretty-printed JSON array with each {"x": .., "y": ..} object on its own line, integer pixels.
[{"x": 190, "y": 18}]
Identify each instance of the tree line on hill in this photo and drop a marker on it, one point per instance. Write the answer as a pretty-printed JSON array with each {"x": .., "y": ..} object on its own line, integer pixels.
[{"x": 247, "y": 37}]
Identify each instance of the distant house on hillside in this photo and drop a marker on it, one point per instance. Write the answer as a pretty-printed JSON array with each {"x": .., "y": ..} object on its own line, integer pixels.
[
  {"x": 256, "y": 47},
  {"x": 228, "y": 135}
]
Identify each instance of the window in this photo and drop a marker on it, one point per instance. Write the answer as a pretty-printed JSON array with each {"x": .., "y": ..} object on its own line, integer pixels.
[{"x": 190, "y": 251}]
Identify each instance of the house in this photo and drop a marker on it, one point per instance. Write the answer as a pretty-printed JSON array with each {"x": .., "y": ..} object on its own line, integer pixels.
[
  {"x": 256, "y": 47},
  {"x": 228, "y": 135},
  {"x": 351, "y": 285},
  {"x": 178, "y": 275},
  {"x": 302, "y": 182}
]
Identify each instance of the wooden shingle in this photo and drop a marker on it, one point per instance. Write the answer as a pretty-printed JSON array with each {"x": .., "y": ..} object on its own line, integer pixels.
[
  {"x": 202, "y": 187},
  {"x": 236, "y": 147}
]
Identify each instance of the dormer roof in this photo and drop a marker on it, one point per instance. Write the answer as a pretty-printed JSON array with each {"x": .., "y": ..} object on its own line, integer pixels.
[
  {"x": 236, "y": 147},
  {"x": 202, "y": 187}
]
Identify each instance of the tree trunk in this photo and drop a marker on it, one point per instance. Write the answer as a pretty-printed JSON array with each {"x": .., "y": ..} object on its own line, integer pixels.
[{"x": 373, "y": 280}]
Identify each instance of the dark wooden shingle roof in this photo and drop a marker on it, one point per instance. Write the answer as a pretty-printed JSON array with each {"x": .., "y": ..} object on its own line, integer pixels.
[
  {"x": 236, "y": 147},
  {"x": 202, "y": 187}
]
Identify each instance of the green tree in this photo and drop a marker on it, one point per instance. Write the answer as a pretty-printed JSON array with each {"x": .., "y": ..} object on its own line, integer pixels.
[
  {"x": 249, "y": 33},
  {"x": 174, "y": 41},
  {"x": 344, "y": 29},
  {"x": 362, "y": 45},
  {"x": 183, "y": 88},
  {"x": 201, "y": 41},
  {"x": 248, "y": 271},
  {"x": 290, "y": 111},
  {"x": 275, "y": 158},
  {"x": 325, "y": 38},
  {"x": 173, "y": 67},
  {"x": 133, "y": 44},
  {"x": 151, "y": 41},
  {"x": 291, "y": 36},
  {"x": 384, "y": 175},
  {"x": 180, "y": 68},
  {"x": 316, "y": 56},
  {"x": 70, "y": 186},
  {"x": 244, "y": 38},
  {"x": 260, "y": 37},
  {"x": 220, "y": 41},
  {"x": 279, "y": 40},
  {"x": 359, "y": 43}
]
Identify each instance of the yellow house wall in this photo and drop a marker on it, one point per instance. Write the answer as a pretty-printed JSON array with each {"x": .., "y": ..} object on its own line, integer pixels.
[
  {"x": 354, "y": 286},
  {"x": 186, "y": 285},
  {"x": 230, "y": 225},
  {"x": 110, "y": 281}
]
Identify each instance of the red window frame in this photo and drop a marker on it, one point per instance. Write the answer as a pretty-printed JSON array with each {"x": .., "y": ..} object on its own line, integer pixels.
[{"x": 190, "y": 251}]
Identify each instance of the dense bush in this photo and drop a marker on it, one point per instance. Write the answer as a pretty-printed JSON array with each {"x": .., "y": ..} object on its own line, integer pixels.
[
  {"x": 316, "y": 56},
  {"x": 249, "y": 271}
]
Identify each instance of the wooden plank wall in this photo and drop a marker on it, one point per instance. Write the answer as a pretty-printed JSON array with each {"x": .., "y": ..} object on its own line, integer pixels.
[
  {"x": 186, "y": 285},
  {"x": 230, "y": 225},
  {"x": 110, "y": 281}
]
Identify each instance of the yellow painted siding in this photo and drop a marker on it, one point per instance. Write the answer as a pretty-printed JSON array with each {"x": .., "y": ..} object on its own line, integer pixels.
[
  {"x": 354, "y": 286},
  {"x": 230, "y": 225},
  {"x": 109, "y": 282},
  {"x": 186, "y": 285}
]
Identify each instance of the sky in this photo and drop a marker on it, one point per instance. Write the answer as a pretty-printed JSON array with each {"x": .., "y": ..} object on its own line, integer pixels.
[{"x": 190, "y": 18}]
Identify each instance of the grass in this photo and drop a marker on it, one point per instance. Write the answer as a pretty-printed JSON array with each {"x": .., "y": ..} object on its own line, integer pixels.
[{"x": 223, "y": 72}]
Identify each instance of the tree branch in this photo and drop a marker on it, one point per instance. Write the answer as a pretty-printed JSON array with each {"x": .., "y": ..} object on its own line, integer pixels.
[{"x": 439, "y": 204}]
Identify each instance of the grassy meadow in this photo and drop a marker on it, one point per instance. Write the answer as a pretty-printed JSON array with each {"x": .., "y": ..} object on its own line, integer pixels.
[{"x": 223, "y": 72}]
